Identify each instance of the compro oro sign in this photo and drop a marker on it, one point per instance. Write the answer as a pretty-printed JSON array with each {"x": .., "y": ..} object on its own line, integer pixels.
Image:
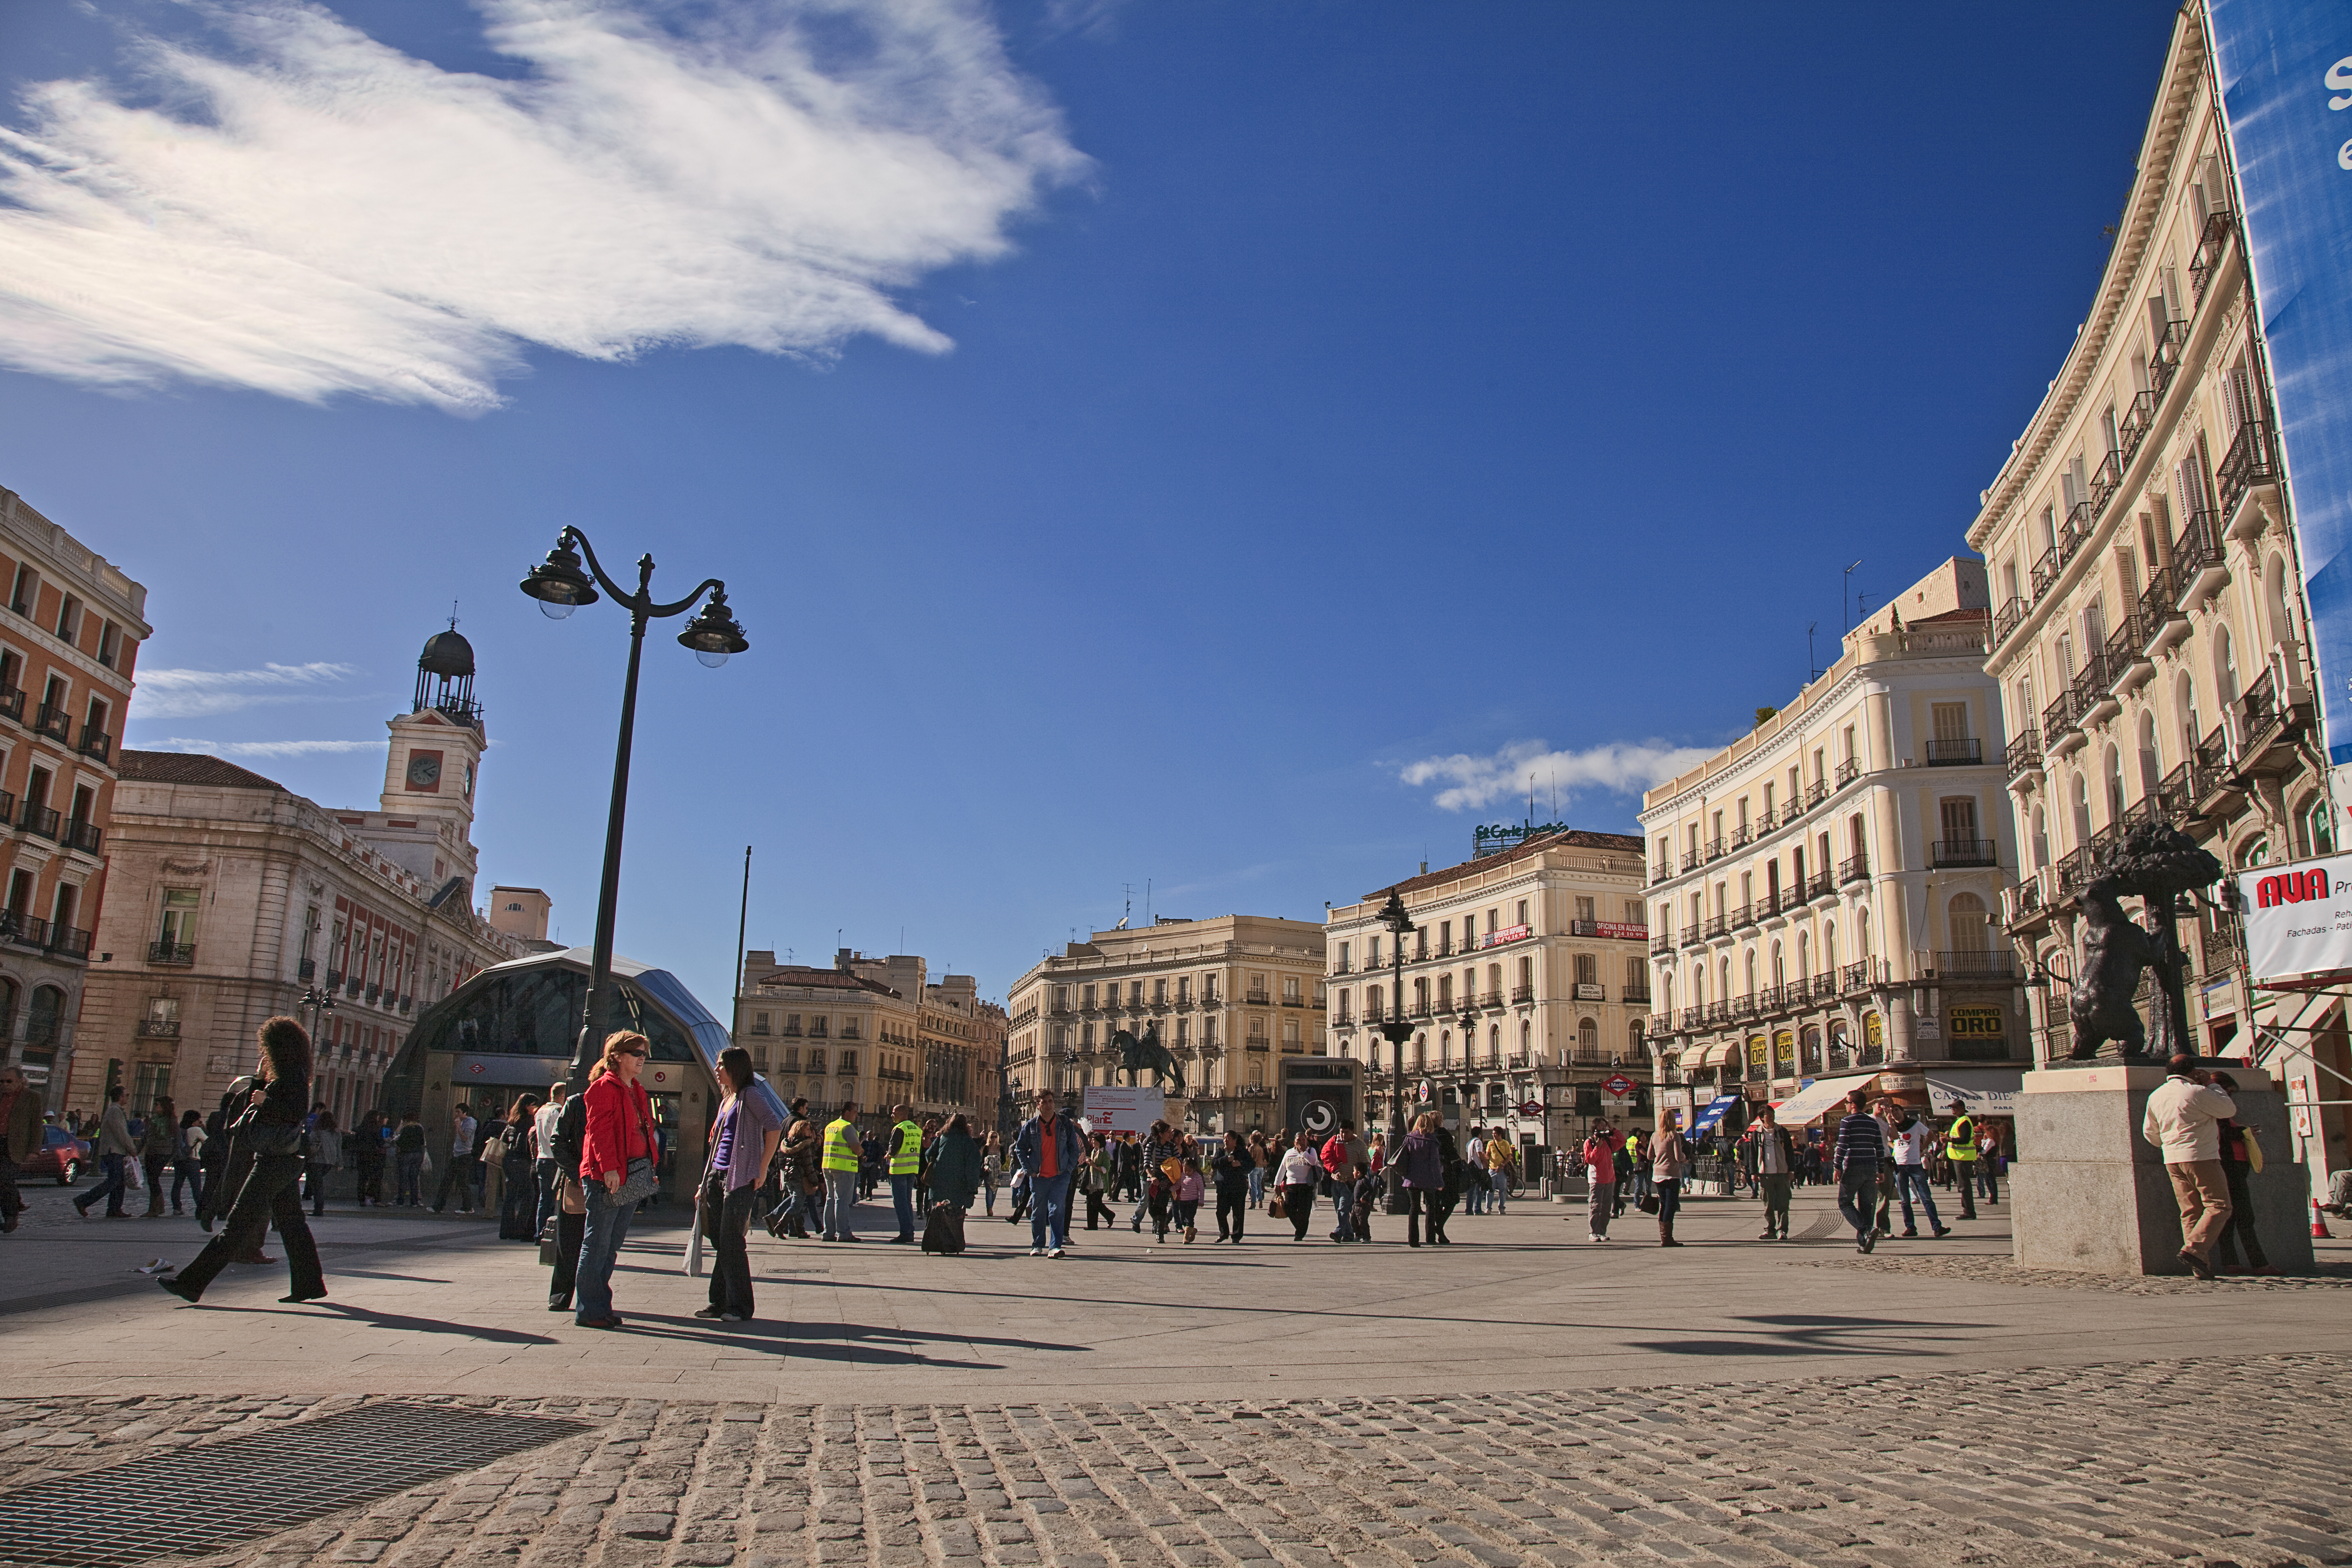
[{"x": 2298, "y": 920}]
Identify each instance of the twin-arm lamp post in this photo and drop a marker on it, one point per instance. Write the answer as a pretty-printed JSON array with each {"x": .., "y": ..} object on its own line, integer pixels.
[
  {"x": 1397, "y": 1029},
  {"x": 560, "y": 586}
]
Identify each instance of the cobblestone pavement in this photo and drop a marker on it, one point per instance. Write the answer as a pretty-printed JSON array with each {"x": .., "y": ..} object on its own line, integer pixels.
[
  {"x": 2214, "y": 1461},
  {"x": 1978, "y": 1270}
]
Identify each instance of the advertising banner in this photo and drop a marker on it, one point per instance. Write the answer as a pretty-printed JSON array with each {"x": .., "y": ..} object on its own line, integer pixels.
[
  {"x": 2285, "y": 72},
  {"x": 2297, "y": 918},
  {"x": 1112, "y": 1107}
]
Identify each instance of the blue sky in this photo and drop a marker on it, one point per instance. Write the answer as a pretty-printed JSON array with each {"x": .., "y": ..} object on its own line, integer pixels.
[{"x": 1208, "y": 443}]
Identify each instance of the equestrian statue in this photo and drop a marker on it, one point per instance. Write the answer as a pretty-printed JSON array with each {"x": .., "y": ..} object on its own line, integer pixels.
[
  {"x": 2159, "y": 864},
  {"x": 1134, "y": 1055}
]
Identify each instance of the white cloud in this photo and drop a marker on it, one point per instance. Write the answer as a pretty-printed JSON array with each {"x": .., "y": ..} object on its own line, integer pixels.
[
  {"x": 195, "y": 693},
  {"x": 1473, "y": 781},
  {"x": 269, "y": 748},
  {"x": 313, "y": 213}
]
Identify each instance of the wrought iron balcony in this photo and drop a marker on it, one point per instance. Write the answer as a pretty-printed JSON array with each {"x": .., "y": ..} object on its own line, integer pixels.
[
  {"x": 1716, "y": 849},
  {"x": 85, "y": 836},
  {"x": 1662, "y": 943},
  {"x": 1690, "y": 936},
  {"x": 54, "y": 723},
  {"x": 1820, "y": 885},
  {"x": 2138, "y": 418},
  {"x": 1946, "y": 852},
  {"x": 2044, "y": 572},
  {"x": 2081, "y": 518},
  {"x": 1691, "y": 859},
  {"x": 2164, "y": 358},
  {"x": 2009, "y": 617},
  {"x": 2211, "y": 246},
  {"x": 12, "y": 704},
  {"x": 373, "y": 991},
  {"x": 2260, "y": 713},
  {"x": 1256, "y": 999},
  {"x": 1492, "y": 1001},
  {"x": 1848, "y": 771},
  {"x": 2108, "y": 480},
  {"x": 1744, "y": 916},
  {"x": 39, "y": 819},
  {"x": 1521, "y": 995},
  {"x": 2056, "y": 720},
  {"x": 1860, "y": 976},
  {"x": 172, "y": 953},
  {"x": 1854, "y": 869},
  {"x": 1636, "y": 995},
  {"x": 1717, "y": 925},
  {"x": 1743, "y": 835},
  {"x": 2024, "y": 753},
  {"x": 1661, "y": 870},
  {"x": 2251, "y": 460},
  {"x": 1990, "y": 964},
  {"x": 2197, "y": 556},
  {"x": 1964, "y": 752},
  {"x": 159, "y": 1028},
  {"x": 26, "y": 930},
  {"x": 70, "y": 941},
  {"x": 1816, "y": 792},
  {"x": 96, "y": 744}
]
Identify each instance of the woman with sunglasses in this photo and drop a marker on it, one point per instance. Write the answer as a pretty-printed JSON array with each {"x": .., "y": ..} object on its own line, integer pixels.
[{"x": 619, "y": 1134}]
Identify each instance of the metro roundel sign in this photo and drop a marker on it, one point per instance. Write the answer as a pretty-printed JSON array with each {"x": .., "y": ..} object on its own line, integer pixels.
[
  {"x": 1530, "y": 1108},
  {"x": 1618, "y": 1084}
]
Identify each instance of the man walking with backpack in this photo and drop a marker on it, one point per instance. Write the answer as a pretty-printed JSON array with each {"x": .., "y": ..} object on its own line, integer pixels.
[{"x": 1861, "y": 1146}]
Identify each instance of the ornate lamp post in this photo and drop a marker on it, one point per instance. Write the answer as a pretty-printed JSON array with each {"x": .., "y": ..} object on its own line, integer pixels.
[
  {"x": 320, "y": 1004},
  {"x": 1396, "y": 1028},
  {"x": 560, "y": 587}
]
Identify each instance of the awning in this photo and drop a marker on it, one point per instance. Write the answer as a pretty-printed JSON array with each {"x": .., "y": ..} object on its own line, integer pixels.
[
  {"x": 1713, "y": 1056},
  {"x": 1821, "y": 1095},
  {"x": 1713, "y": 1113},
  {"x": 1989, "y": 1091}
]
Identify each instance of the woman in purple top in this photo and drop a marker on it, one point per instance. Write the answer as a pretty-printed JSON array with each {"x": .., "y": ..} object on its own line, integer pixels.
[{"x": 742, "y": 1141}]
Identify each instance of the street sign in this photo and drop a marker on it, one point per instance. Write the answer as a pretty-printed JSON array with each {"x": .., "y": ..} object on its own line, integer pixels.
[
  {"x": 1530, "y": 1108},
  {"x": 1618, "y": 1084}
]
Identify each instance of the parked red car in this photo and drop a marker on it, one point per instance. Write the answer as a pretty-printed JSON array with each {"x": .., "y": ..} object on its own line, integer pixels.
[{"x": 61, "y": 1155}]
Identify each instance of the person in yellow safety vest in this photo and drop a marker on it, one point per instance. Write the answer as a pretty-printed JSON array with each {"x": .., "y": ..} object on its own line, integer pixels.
[
  {"x": 906, "y": 1165},
  {"x": 1639, "y": 1187},
  {"x": 841, "y": 1172},
  {"x": 1960, "y": 1149}
]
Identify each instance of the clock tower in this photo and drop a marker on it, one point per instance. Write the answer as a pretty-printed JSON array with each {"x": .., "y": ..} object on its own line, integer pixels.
[{"x": 437, "y": 753}]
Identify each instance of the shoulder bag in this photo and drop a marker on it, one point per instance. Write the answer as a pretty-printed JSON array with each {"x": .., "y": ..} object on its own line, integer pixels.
[
  {"x": 639, "y": 1182},
  {"x": 265, "y": 1140},
  {"x": 2253, "y": 1150}
]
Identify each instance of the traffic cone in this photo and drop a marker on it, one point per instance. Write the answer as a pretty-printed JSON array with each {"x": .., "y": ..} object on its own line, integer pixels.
[{"x": 2319, "y": 1231}]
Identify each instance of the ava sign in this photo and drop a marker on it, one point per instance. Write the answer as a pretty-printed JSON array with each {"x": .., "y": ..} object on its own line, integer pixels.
[
  {"x": 1618, "y": 1085},
  {"x": 2297, "y": 918}
]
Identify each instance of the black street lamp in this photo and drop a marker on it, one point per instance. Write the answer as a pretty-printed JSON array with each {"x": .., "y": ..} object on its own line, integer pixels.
[
  {"x": 320, "y": 1004},
  {"x": 560, "y": 587},
  {"x": 1396, "y": 1028}
]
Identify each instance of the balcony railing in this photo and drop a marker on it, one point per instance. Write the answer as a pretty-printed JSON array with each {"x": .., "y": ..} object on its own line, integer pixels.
[
  {"x": 1860, "y": 976},
  {"x": 2211, "y": 245},
  {"x": 1256, "y": 999},
  {"x": 1990, "y": 965},
  {"x": 2259, "y": 711},
  {"x": 1962, "y": 852},
  {"x": 159, "y": 1028},
  {"x": 2011, "y": 617},
  {"x": 2107, "y": 480},
  {"x": 12, "y": 704},
  {"x": 172, "y": 953},
  {"x": 2024, "y": 752},
  {"x": 1636, "y": 995},
  {"x": 2251, "y": 460},
  {"x": 1820, "y": 885},
  {"x": 2197, "y": 552},
  {"x": 373, "y": 990},
  {"x": 1959, "y": 753},
  {"x": 1848, "y": 771},
  {"x": 2057, "y": 719},
  {"x": 1521, "y": 995},
  {"x": 2164, "y": 363},
  {"x": 1743, "y": 917},
  {"x": 1717, "y": 925},
  {"x": 1690, "y": 936},
  {"x": 1854, "y": 869},
  {"x": 70, "y": 941},
  {"x": 1492, "y": 1001},
  {"x": 1816, "y": 792},
  {"x": 96, "y": 744},
  {"x": 1661, "y": 871},
  {"x": 26, "y": 930},
  {"x": 39, "y": 819},
  {"x": 2138, "y": 418},
  {"x": 54, "y": 723},
  {"x": 2045, "y": 573},
  {"x": 1716, "y": 849},
  {"x": 1691, "y": 859},
  {"x": 2081, "y": 518},
  {"x": 1743, "y": 835},
  {"x": 85, "y": 836}
]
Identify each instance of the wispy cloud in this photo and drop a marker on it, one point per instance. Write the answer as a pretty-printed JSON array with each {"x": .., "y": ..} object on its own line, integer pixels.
[
  {"x": 268, "y": 748},
  {"x": 1619, "y": 768},
  {"x": 312, "y": 213},
  {"x": 196, "y": 693}
]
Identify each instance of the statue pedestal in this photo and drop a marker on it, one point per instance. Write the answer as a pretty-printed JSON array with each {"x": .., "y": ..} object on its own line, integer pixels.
[{"x": 2088, "y": 1192}]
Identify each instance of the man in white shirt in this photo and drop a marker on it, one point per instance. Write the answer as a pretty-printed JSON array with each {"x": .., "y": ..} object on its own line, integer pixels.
[
  {"x": 461, "y": 1155},
  {"x": 542, "y": 1150},
  {"x": 2184, "y": 1118},
  {"x": 1912, "y": 1137},
  {"x": 1474, "y": 1180}
]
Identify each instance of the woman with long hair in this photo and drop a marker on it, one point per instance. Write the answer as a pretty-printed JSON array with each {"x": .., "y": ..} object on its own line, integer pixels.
[
  {"x": 519, "y": 1208},
  {"x": 187, "y": 1159},
  {"x": 272, "y": 1126},
  {"x": 617, "y": 1163},
  {"x": 742, "y": 1141},
  {"x": 366, "y": 1147}
]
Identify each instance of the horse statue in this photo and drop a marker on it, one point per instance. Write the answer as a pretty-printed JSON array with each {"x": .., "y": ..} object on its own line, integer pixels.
[
  {"x": 2159, "y": 864},
  {"x": 1134, "y": 1055}
]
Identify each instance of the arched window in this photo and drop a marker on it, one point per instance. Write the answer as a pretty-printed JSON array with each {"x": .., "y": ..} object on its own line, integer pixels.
[
  {"x": 2151, "y": 758},
  {"x": 2184, "y": 699},
  {"x": 2225, "y": 665},
  {"x": 1751, "y": 972},
  {"x": 1526, "y": 1041},
  {"x": 1809, "y": 1044},
  {"x": 2082, "y": 810},
  {"x": 1494, "y": 1041},
  {"x": 2041, "y": 839},
  {"x": 1588, "y": 1040},
  {"x": 1636, "y": 1042},
  {"x": 1828, "y": 947},
  {"x": 1967, "y": 916},
  {"x": 1804, "y": 956},
  {"x": 1780, "y": 970},
  {"x": 2114, "y": 762},
  {"x": 42, "y": 1018},
  {"x": 2275, "y": 600}
]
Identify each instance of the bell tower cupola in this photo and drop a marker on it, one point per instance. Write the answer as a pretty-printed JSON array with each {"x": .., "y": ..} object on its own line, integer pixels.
[{"x": 436, "y": 751}]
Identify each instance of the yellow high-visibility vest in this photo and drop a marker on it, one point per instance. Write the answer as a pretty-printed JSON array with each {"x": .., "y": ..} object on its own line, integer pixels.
[
  {"x": 1960, "y": 1141},
  {"x": 841, "y": 1145},
  {"x": 907, "y": 1154}
]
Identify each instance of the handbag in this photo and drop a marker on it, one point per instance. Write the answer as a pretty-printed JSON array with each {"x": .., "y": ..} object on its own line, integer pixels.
[
  {"x": 1274, "y": 1207},
  {"x": 1648, "y": 1201},
  {"x": 638, "y": 1181},
  {"x": 693, "y": 1260},
  {"x": 568, "y": 1195},
  {"x": 265, "y": 1140},
  {"x": 549, "y": 1248},
  {"x": 2253, "y": 1150}
]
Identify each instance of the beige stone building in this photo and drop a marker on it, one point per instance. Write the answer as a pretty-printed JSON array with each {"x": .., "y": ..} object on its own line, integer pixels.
[
  {"x": 1227, "y": 996},
  {"x": 1824, "y": 890},
  {"x": 961, "y": 1044},
  {"x": 1527, "y": 982},
  {"x": 67, "y": 650},
  {"x": 521, "y": 913},
  {"x": 2149, "y": 628},
  {"x": 850, "y": 1032},
  {"x": 233, "y": 897}
]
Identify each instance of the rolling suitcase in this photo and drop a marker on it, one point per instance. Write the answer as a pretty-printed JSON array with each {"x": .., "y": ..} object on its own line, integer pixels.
[{"x": 943, "y": 1230}]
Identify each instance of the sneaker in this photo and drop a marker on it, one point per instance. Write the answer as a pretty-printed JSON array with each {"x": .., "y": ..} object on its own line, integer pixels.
[
  {"x": 1870, "y": 1244},
  {"x": 1052, "y": 1252},
  {"x": 1910, "y": 1235},
  {"x": 708, "y": 1312},
  {"x": 1036, "y": 1252},
  {"x": 1942, "y": 1231},
  {"x": 2197, "y": 1266},
  {"x": 734, "y": 1316},
  {"x": 1592, "y": 1235},
  {"x": 1769, "y": 1235}
]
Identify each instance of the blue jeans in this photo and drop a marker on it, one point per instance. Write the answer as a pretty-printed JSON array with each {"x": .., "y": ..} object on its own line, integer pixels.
[
  {"x": 1257, "y": 1187},
  {"x": 110, "y": 1187},
  {"x": 902, "y": 1203},
  {"x": 545, "y": 1171},
  {"x": 1906, "y": 1179},
  {"x": 408, "y": 1189},
  {"x": 1988, "y": 1180},
  {"x": 840, "y": 1197},
  {"x": 1049, "y": 1210},
  {"x": 1474, "y": 1192},
  {"x": 1343, "y": 1198},
  {"x": 1500, "y": 1185},
  {"x": 600, "y": 1247},
  {"x": 1858, "y": 1198}
]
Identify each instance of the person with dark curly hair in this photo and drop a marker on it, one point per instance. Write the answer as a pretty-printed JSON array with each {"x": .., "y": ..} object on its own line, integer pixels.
[{"x": 272, "y": 1126}]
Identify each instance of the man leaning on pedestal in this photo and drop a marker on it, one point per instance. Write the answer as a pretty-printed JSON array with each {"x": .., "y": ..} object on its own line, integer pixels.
[{"x": 2184, "y": 1118}]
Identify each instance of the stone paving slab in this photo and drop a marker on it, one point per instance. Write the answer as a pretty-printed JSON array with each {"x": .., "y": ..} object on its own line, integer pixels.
[
  {"x": 1983, "y": 1270},
  {"x": 2224, "y": 1460}
]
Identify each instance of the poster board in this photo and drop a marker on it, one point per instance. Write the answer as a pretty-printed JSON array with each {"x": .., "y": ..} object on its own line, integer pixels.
[{"x": 1114, "y": 1107}]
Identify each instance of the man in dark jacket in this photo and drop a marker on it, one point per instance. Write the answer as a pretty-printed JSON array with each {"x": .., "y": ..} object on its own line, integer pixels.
[
  {"x": 22, "y": 1134},
  {"x": 1048, "y": 1149}
]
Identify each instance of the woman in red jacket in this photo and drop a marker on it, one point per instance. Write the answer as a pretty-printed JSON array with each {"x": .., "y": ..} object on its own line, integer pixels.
[{"x": 617, "y": 1149}]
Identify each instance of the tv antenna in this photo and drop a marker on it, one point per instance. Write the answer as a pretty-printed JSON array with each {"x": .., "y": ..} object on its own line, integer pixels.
[
  {"x": 1845, "y": 583},
  {"x": 1809, "y": 663}
]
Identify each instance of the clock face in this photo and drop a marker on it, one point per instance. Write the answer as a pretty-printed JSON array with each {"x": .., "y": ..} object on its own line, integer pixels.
[
  {"x": 470, "y": 781},
  {"x": 424, "y": 770}
]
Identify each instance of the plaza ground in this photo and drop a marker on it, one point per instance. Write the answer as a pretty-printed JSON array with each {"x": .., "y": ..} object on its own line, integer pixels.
[{"x": 1522, "y": 1395}]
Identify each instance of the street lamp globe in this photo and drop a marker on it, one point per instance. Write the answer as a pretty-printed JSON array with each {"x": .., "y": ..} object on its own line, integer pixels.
[
  {"x": 559, "y": 584},
  {"x": 713, "y": 635}
]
